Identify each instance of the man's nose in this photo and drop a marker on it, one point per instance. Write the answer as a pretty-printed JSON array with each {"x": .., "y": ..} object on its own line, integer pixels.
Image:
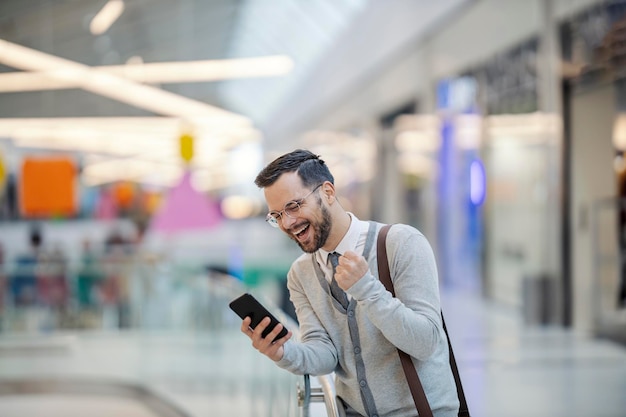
[{"x": 287, "y": 221}]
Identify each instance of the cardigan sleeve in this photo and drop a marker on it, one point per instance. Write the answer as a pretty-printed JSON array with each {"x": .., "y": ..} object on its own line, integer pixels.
[
  {"x": 411, "y": 321},
  {"x": 314, "y": 353}
]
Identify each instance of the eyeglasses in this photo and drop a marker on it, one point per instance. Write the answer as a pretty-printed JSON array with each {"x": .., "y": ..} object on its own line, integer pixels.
[{"x": 291, "y": 209}]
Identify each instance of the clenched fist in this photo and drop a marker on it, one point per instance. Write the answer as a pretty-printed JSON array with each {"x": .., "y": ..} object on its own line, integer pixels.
[{"x": 351, "y": 268}]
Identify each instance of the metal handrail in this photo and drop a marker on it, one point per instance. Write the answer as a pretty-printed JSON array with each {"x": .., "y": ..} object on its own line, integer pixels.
[{"x": 324, "y": 393}]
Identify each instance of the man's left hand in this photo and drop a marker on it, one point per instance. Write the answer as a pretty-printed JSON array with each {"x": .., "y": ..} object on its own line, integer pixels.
[{"x": 352, "y": 267}]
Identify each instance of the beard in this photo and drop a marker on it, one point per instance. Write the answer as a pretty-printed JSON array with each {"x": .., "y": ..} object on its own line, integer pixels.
[{"x": 322, "y": 231}]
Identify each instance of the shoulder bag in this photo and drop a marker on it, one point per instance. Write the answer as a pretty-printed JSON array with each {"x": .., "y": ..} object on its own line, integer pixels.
[{"x": 417, "y": 391}]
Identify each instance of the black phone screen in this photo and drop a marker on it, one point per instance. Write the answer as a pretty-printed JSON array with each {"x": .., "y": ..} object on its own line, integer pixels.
[{"x": 248, "y": 306}]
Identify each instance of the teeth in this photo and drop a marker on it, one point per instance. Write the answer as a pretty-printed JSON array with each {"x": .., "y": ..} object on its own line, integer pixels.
[{"x": 300, "y": 231}]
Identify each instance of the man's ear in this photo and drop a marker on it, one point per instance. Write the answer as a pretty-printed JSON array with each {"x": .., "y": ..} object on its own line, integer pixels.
[{"x": 329, "y": 192}]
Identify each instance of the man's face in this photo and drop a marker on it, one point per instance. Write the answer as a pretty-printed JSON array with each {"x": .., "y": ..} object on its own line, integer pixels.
[{"x": 309, "y": 226}]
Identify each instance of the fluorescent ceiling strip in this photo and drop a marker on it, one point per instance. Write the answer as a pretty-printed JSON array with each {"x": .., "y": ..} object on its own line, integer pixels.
[
  {"x": 131, "y": 124},
  {"x": 117, "y": 88},
  {"x": 158, "y": 126},
  {"x": 143, "y": 149},
  {"x": 157, "y": 73},
  {"x": 209, "y": 70},
  {"x": 103, "y": 20},
  {"x": 122, "y": 135}
]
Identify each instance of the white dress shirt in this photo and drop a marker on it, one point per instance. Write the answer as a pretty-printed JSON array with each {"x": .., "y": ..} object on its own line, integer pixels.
[{"x": 354, "y": 240}]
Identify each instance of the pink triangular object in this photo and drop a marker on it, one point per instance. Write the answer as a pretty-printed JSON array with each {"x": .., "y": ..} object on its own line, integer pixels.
[{"x": 185, "y": 209}]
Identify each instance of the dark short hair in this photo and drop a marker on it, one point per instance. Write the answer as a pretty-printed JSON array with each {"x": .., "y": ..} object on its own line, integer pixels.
[{"x": 310, "y": 168}]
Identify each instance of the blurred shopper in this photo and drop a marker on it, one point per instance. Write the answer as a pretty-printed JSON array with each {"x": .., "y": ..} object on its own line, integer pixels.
[
  {"x": 117, "y": 268},
  {"x": 88, "y": 278},
  {"x": 52, "y": 287},
  {"x": 8, "y": 199},
  {"x": 23, "y": 282},
  {"x": 357, "y": 340}
]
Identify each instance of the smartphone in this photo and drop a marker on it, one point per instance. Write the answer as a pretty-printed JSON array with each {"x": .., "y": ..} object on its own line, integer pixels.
[{"x": 248, "y": 306}]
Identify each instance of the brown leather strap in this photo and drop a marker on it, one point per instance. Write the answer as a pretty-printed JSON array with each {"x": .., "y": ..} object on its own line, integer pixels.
[
  {"x": 415, "y": 385},
  {"x": 383, "y": 267},
  {"x": 463, "y": 409}
]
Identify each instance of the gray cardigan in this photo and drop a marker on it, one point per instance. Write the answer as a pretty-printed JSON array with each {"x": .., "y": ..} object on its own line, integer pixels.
[{"x": 360, "y": 344}]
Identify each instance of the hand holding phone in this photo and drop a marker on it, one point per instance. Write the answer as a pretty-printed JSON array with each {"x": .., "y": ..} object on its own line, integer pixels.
[{"x": 248, "y": 306}]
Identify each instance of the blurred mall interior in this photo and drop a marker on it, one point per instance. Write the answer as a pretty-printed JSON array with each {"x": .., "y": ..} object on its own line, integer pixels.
[{"x": 130, "y": 135}]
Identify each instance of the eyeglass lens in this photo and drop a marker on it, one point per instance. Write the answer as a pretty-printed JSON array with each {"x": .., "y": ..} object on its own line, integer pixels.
[{"x": 290, "y": 209}]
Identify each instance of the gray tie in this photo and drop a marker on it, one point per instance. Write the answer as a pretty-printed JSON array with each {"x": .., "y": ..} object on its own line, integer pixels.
[{"x": 335, "y": 289}]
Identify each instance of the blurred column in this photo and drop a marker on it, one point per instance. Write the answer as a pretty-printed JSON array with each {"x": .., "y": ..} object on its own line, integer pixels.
[
  {"x": 428, "y": 104},
  {"x": 550, "y": 99},
  {"x": 392, "y": 209},
  {"x": 388, "y": 205}
]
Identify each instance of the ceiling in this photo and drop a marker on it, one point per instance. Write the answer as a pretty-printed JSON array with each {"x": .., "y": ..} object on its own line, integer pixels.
[
  {"x": 113, "y": 120},
  {"x": 165, "y": 31}
]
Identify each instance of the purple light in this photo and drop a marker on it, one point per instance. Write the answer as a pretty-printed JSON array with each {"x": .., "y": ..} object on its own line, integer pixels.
[{"x": 478, "y": 182}]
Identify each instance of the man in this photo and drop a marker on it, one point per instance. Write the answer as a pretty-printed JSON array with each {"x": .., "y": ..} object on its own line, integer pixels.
[{"x": 357, "y": 341}]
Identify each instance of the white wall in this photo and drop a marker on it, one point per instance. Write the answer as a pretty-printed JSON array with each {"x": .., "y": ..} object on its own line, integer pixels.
[
  {"x": 380, "y": 37},
  {"x": 347, "y": 88},
  {"x": 592, "y": 178}
]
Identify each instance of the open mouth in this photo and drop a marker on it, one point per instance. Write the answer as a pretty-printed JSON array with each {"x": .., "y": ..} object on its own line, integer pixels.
[{"x": 301, "y": 231}]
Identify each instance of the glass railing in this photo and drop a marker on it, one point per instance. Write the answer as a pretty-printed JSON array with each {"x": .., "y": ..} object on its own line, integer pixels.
[{"x": 146, "y": 330}]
